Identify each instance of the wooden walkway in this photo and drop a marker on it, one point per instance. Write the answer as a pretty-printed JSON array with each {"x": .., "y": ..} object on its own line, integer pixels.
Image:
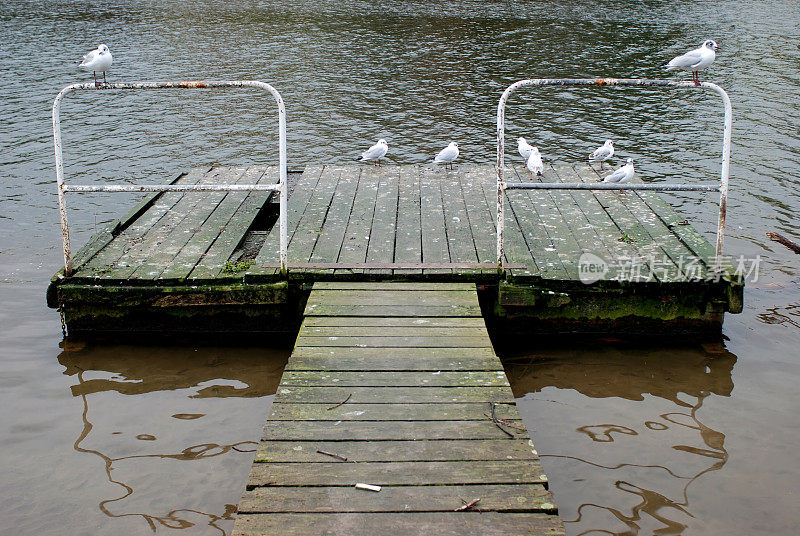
[{"x": 394, "y": 384}]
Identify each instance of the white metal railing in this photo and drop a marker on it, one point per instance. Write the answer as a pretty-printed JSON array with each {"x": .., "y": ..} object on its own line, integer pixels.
[
  {"x": 502, "y": 185},
  {"x": 280, "y": 187}
]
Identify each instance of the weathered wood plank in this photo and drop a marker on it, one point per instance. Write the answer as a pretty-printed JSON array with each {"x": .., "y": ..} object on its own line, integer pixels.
[
  {"x": 384, "y": 221},
  {"x": 396, "y": 379},
  {"x": 391, "y": 310},
  {"x": 332, "y": 231},
  {"x": 393, "y": 297},
  {"x": 398, "y": 331},
  {"x": 425, "y": 341},
  {"x": 296, "y": 207},
  {"x": 408, "y": 241},
  {"x": 481, "y": 221},
  {"x": 405, "y": 395},
  {"x": 380, "y": 354},
  {"x": 390, "y": 412},
  {"x": 393, "y": 285},
  {"x": 357, "y": 235},
  {"x": 397, "y": 451},
  {"x": 459, "y": 232},
  {"x": 389, "y": 430},
  {"x": 433, "y": 229},
  {"x": 433, "y": 322},
  {"x": 397, "y": 473},
  {"x": 108, "y": 261},
  {"x": 518, "y": 498},
  {"x": 433, "y": 364},
  {"x": 370, "y": 524}
]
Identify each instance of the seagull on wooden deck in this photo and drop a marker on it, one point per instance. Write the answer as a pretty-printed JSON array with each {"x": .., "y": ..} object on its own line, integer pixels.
[
  {"x": 603, "y": 153},
  {"x": 534, "y": 163},
  {"x": 622, "y": 175},
  {"x": 447, "y": 155},
  {"x": 97, "y": 61},
  {"x": 524, "y": 148},
  {"x": 376, "y": 152},
  {"x": 695, "y": 60}
]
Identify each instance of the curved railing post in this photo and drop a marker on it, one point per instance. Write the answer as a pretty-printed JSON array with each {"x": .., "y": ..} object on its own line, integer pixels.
[
  {"x": 502, "y": 186},
  {"x": 281, "y": 187}
]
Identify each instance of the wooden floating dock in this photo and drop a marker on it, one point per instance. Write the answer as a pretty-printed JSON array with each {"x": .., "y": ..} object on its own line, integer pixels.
[
  {"x": 208, "y": 262},
  {"x": 394, "y": 384}
]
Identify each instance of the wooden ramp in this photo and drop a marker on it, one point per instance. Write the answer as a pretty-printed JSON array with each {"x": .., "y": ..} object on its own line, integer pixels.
[{"x": 395, "y": 385}]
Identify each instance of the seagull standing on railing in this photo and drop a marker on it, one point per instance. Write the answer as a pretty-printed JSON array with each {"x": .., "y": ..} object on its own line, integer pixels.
[
  {"x": 603, "y": 153},
  {"x": 97, "y": 61},
  {"x": 534, "y": 163},
  {"x": 524, "y": 148},
  {"x": 622, "y": 175},
  {"x": 376, "y": 152},
  {"x": 695, "y": 60},
  {"x": 447, "y": 155}
]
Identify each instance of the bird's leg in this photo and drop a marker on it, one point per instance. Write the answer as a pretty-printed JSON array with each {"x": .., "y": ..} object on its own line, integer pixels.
[
  {"x": 104, "y": 78},
  {"x": 96, "y": 84},
  {"x": 696, "y": 76},
  {"x": 601, "y": 164}
]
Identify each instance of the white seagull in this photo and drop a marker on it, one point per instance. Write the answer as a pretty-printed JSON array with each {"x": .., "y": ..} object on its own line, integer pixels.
[
  {"x": 695, "y": 60},
  {"x": 622, "y": 175},
  {"x": 534, "y": 163},
  {"x": 603, "y": 152},
  {"x": 524, "y": 148},
  {"x": 447, "y": 155},
  {"x": 97, "y": 61},
  {"x": 376, "y": 152}
]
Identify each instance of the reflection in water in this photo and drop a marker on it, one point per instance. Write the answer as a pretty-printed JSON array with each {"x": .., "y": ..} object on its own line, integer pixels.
[
  {"x": 169, "y": 369},
  {"x": 683, "y": 377}
]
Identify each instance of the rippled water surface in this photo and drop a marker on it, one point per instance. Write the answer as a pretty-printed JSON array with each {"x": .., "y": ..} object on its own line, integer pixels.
[{"x": 645, "y": 439}]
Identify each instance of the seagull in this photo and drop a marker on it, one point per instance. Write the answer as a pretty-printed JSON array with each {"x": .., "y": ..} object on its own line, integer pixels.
[
  {"x": 97, "y": 61},
  {"x": 447, "y": 155},
  {"x": 376, "y": 152},
  {"x": 622, "y": 175},
  {"x": 603, "y": 153},
  {"x": 534, "y": 163},
  {"x": 695, "y": 60},
  {"x": 524, "y": 148}
]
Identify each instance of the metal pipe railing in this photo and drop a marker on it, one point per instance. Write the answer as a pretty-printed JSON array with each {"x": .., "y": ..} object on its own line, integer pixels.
[
  {"x": 623, "y": 82},
  {"x": 281, "y": 187}
]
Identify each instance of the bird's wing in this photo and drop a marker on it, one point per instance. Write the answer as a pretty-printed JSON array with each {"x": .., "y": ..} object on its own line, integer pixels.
[
  {"x": 616, "y": 176},
  {"x": 601, "y": 152},
  {"x": 373, "y": 152},
  {"x": 689, "y": 59},
  {"x": 89, "y": 57},
  {"x": 447, "y": 154}
]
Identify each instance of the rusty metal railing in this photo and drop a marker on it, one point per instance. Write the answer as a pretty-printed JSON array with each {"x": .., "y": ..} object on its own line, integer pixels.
[
  {"x": 280, "y": 186},
  {"x": 502, "y": 185}
]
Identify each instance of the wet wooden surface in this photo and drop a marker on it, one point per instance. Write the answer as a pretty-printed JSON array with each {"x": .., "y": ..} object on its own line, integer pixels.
[{"x": 407, "y": 399}]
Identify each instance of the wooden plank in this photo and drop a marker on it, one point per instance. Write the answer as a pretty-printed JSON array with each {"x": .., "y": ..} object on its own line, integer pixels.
[
  {"x": 393, "y": 297},
  {"x": 433, "y": 226},
  {"x": 408, "y": 241},
  {"x": 515, "y": 248},
  {"x": 518, "y": 498},
  {"x": 219, "y": 221},
  {"x": 381, "y": 395},
  {"x": 481, "y": 220},
  {"x": 391, "y": 310},
  {"x": 404, "y": 331},
  {"x": 357, "y": 235},
  {"x": 397, "y": 451},
  {"x": 456, "y": 322},
  {"x": 397, "y": 473},
  {"x": 332, "y": 231},
  {"x": 296, "y": 207},
  {"x": 396, "y": 379},
  {"x": 159, "y": 246},
  {"x": 384, "y": 221},
  {"x": 425, "y": 363},
  {"x": 212, "y": 263},
  {"x": 393, "y": 285},
  {"x": 370, "y": 524},
  {"x": 634, "y": 232},
  {"x": 459, "y": 231},
  {"x": 391, "y": 412},
  {"x": 105, "y": 263},
  {"x": 313, "y": 218},
  {"x": 563, "y": 243},
  {"x": 605, "y": 227},
  {"x": 389, "y": 430},
  {"x": 393, "y": 354},
  {"x": 396, "y": 342}
]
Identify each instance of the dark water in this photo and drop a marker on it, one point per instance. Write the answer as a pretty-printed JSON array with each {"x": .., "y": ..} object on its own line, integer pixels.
[{"x": 686, "y": 439}]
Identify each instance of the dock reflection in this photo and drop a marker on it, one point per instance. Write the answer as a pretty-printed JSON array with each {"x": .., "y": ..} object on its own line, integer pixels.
[
  {"x": 620, "y": 463},
  {"x": 146, "y": 389}
]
